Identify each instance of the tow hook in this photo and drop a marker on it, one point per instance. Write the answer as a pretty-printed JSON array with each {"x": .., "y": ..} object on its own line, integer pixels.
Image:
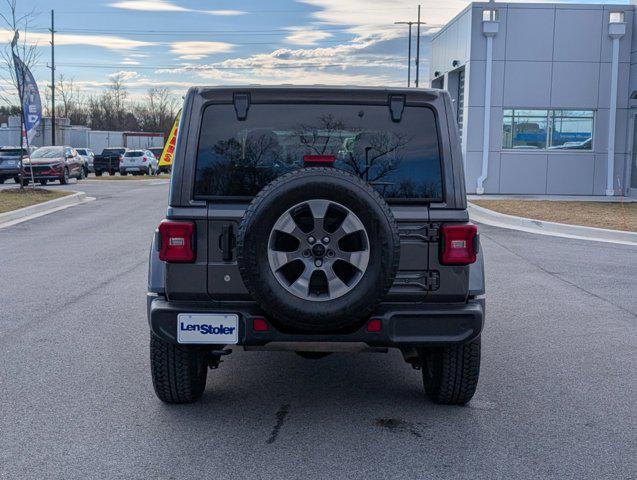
[{"x": 214, "y": 357}]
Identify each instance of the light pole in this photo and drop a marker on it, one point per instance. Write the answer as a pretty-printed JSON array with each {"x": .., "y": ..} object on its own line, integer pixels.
[
  {"x": 408, "y": 52},
  {"x": 418, "y": 49},
  {"x": 409, "y": 48}
]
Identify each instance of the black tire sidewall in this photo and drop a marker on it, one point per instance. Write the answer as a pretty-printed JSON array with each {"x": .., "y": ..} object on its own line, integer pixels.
[{"x": 350, "y": 192}]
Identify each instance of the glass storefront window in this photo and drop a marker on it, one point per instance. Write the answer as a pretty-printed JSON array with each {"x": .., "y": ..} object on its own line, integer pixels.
[
  {"x": 525, "y": 129},
  {"x": 571, "y": 130}
]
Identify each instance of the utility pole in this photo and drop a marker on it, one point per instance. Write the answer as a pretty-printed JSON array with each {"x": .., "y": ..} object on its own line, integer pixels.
[
  {"x": 418, "y": 50},
  {"x": 52, "y": 67},
  {"x": 408, "y": 52},
  {"x": 409, "y": 48}
]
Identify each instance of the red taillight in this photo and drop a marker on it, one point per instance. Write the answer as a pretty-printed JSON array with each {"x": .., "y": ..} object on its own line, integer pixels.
[
  {"x": 177, "y": 241},
  {"x": 260, "y": 325},
  {"x": 319, "y": 160},
  {"x": 144, "y": 160},
  {"x": 374, "y": 325},
  {"x": 459, "y": 244}
]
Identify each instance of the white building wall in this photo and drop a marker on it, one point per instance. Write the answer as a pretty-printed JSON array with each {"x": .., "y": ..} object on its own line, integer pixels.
[{"x": 545, "y": 56}]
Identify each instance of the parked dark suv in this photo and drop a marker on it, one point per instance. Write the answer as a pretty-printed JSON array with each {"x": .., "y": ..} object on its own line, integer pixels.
[
  {"x": 11, "y": 163},
  {"x": 316, "y": 220}
]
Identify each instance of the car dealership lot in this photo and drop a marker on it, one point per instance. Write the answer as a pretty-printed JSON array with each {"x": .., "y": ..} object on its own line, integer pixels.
[{"x": 556, "y": 397}]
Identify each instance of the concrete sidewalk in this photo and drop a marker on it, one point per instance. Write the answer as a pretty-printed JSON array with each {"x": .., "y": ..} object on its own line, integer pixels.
[
  {"x": 497, "y": 219},
  {"x": 40, "y": 209},
  {"x": 556, "y": 198}
]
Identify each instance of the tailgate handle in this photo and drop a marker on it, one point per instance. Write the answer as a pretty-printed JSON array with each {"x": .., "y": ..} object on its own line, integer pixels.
[{"x": 226, "y": 242}]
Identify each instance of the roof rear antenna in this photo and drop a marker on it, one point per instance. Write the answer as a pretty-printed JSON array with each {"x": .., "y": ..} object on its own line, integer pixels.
[{"x": 241, "y": 105}]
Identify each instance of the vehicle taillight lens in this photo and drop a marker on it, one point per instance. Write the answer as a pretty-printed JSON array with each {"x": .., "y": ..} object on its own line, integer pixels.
[
  {"x": 144, "y": 160},
  {"x": 459, "y": 244},
  {"x": 177, "y": 241},
  {"x": 260, "y": 324}
]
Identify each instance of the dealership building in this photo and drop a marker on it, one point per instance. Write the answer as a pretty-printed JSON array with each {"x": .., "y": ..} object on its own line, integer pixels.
[{"x": 545, "y": 96}]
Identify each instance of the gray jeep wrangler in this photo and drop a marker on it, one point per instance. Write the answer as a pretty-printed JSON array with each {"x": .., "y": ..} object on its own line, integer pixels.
[{"x": 316, "y": 220}]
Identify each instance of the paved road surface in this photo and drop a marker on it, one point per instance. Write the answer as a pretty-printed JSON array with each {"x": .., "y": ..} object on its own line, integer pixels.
[{"x": 556, "y": 398}]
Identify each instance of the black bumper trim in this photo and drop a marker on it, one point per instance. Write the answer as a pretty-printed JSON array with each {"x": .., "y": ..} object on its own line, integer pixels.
[{"x": 402, "y": 325}]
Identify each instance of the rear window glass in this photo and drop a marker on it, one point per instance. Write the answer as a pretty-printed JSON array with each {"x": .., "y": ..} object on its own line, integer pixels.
[
  {"x": 401, "y": 160},
  {"x": 11, "y": 152},
  {"x": 133, "y": 154}
]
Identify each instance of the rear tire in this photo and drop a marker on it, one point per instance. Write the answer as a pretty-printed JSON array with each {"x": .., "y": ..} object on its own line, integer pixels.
[
  {"x": 450, "y": 374},
  {"x": 43, "y": 182},
  {"x": 98, "y": 173},
  {"x": 2, "y": 181},
  {"x": 179, "y": 372}
]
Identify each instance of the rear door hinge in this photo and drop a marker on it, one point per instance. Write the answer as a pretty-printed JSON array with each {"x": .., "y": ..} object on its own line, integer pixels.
[
  {"x": 241, "y": 105},
  {"x": 427, "y": 233},
  {"x": 431, "y": 280}
]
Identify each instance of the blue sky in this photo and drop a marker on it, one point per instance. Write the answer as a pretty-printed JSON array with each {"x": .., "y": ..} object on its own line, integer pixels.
[{"x": 178, "y": 43}]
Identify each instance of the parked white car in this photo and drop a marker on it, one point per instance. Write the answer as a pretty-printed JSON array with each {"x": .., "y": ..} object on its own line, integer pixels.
[
  {"x": 87, "y": 156},
  {"x": 138, "y": 162}
]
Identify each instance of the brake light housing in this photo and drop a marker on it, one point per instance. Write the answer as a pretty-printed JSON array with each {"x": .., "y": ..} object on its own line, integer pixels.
[
  {"x": 177, "y": 241},
  {"x": 459, "y": 244}
]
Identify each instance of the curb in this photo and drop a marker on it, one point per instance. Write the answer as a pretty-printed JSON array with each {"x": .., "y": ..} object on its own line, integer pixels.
[
  {"x": 496, "y": 219},
  {"x": 34, "y": 211}
]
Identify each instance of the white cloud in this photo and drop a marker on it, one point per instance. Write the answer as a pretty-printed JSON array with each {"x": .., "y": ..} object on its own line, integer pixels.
[
  {"x": 149, "y": 6},
  {"x": 306, "y": 36},
  {"x": 125, "y": 75},
  {"x": 104, "y": 41},
  {"x": 196, "y": 50},
  {"x": 224, "y": 13},
  {"x": 382, "y": 13},
  {"x": 130, "y": 61},
  {"x": 166, "y": 6},
  {"x": 266, "y": 76}
]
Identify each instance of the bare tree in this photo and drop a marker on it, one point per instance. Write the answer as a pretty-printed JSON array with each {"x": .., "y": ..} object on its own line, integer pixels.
[
  {"x": 73, "y": 101},
  {"x": 157, "y": 112},
  {"x": 110, "y": 110},
  {"x": 71, "y": 104}
]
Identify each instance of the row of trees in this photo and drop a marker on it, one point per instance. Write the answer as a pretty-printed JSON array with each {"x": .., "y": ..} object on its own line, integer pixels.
[{"x": 113, "y": 109}]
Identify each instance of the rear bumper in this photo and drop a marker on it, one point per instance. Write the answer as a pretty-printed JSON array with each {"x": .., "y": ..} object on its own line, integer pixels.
[
  {"x": 134, "y": 169},
  {"x": 9, "y": 172},
  {"x": 50, "y": 174},
  {"x": 403, "y": 326}
]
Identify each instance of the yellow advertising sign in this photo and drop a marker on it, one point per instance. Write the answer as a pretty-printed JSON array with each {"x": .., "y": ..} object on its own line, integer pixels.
[{"x": 167, "y": 155}]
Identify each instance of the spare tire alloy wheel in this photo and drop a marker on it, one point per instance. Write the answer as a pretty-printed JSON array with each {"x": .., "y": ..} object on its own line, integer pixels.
[
  {"x": 333, "y": 255},
  {"x": 318, "y": 249}
]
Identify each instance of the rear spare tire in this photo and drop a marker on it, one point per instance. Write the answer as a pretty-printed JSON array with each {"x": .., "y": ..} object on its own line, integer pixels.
[{"x": 318, "y": 249}]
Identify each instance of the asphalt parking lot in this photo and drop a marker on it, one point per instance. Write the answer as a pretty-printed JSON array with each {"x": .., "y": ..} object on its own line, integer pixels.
[{"x": 556, "y": 397}]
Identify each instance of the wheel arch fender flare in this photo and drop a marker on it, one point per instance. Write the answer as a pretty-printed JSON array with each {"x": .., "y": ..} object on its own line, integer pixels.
[
  {"x": 476, "y": 276},
  {"x": 156, "y": 268}
]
